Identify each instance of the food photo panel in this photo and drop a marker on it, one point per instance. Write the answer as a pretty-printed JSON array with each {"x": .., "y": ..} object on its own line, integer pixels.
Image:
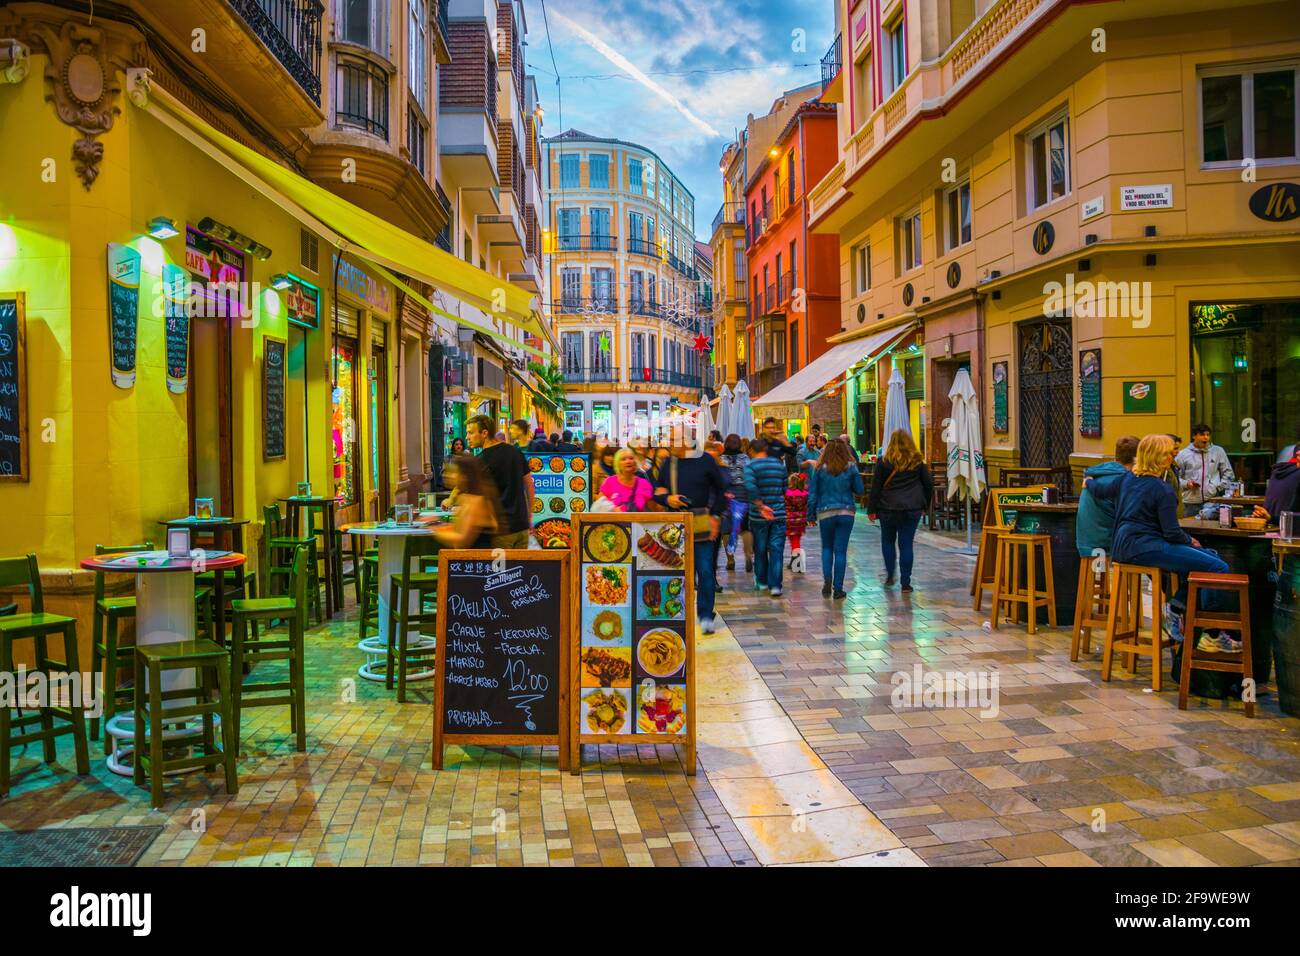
[
  {"x": 660, "y": 707},
  {"x": 660, "y": 547},
  {"x": 660, "y": 597},
  {"x": 606, "y": 585},
  {"x": 606, "y": 626},
  {"x": 606, "y": 711},
  {"x": 660, "y": 651}
]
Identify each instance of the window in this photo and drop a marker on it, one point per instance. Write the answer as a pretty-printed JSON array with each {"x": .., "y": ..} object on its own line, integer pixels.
[
  {"x": 365, "y": 23},
  {"x": 653, "y": 351},
  {"x": 417, "y": 45},
  {"x": 1048, "y": 162},
  {"x": 794, "y": 347},
  {"x": 956, "y": 214},
  {"x": 789, "y": 175},
  {"x": 569, "y": 224},
  {"x": 636, "y": 289},
  {"x": 361, "y": 96},
  {"x": 634, "y": 175},
  {"x": 861, "y": 91},
  {"x": 909, "y": 241},
  {"x": 650, "y": 289},
  {"x": 601, "y": 359},
  {"x": 776, "y": 191},
  {"x": 343, "y": 420},
  {"x": 602, "y": 289},
  {"x": 794, "y": 269},
  {"x": 861, "y": 264},
  {"x": 570, "y": 289},
  {"x": 895, "y": 57},
  {"x": 571, "y": 346},
  {"x": 1249, "y": 114},
  {"x": 598, "y": 171},
  {"x": 600, "y": 237},
  {"x": 569, "y": 171},
  {"x": 417, "y": 137},
  {"x": 638, "y": 365}
]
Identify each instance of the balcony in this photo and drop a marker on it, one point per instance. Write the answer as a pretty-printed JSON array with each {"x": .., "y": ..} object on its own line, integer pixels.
[
  {"x": 784, "y": 288},
  {"x": 769, "y": 297},
  {"x": 361, "y": 96},
  {"x": 577, "y": 374},
  {"x": 585, "y": 305},
  {"x": 686, "y": 270},
  {"x": 739, "y": 292},
  {"x": 830, "y": 73},
  {"x": 467, "y": 116},
  {"x": 291, "y": 30},
  {"x": 638, "y": 305},
  {"x": 645, "y": 247},
  {"x": 729, "y": 212},
  {"x": 572, "y": 243}
]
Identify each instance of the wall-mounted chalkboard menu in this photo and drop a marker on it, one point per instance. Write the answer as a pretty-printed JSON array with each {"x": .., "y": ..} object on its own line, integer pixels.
[
  {"x": 273, "y": 396},
  {"x": 1090, "y": 393},
  {"x": 176, "y": 282},
  {"x": 123, "y": 308},
  {"x": 13, "y": 387},
  {"x": 502, "y": 650}
]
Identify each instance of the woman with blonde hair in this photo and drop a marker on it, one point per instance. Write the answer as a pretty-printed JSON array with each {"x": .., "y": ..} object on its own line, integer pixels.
[
  {"x": 625, "y": 487},
  {"x": 901, "y": 489},
  {"x": 1147, "y": 532},
  {"x": 832, "y": 503}
]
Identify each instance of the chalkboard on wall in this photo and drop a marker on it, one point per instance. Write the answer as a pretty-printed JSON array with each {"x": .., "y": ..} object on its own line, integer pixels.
[
  {"x": 503, "y": 649},
  {"x": 123, "y": 306},
  {"x": 13, "y": 387},
  {"x": 1090, "y": 393},
  {"x": 176, "y": 283},
  {"x": 273, "y": 396}
]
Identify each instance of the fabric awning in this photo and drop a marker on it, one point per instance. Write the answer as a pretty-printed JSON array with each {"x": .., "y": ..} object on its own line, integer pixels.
[
  {"x": 812, "y": 378},
  {"x": 351, "y": 228}
]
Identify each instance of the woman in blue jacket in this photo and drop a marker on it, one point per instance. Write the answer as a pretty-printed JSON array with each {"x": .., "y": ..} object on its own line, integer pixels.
[
  {"x": 1147, "y": 531},
  {"x": 831, "y": 502}
]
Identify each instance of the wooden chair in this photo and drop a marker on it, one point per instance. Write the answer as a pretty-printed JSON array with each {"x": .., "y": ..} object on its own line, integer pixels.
[
  {"x": 1017, "y": 552},
  {"x": 1091, "y": 602},
  {"x": 402, "y": 585},
  {"x": 38, "y": 625},
  {"x": 1124, "y": 619},
  {"x": 279, "y": 545},
  {"x": 1193, "y": 659},
  {"x": 986, "y": 561}
]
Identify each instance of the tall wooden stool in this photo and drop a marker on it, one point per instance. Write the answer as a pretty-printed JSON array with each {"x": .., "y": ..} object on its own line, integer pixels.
[
  {"x": 1124, "y": 619},
  {"x": 1091, "y": 603},
  {"x": 422, "y": 583},
  {"x": 152, "y": 711},
  {"x": 1227, "y": 662},
  {"x": 986, "y": 562},
  {"x": 1013, "y": 549}
]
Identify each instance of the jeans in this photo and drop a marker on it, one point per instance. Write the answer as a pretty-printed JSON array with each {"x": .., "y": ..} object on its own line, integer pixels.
[
  {"x": 900, "y": 527},
  {"x": 1181, "y": 559},
  {"x": 835, "y": 531},
  {"x": 706, "y": 581},
  {"x": 739, "y": 509},
  {"x": 769, "y": 550}
]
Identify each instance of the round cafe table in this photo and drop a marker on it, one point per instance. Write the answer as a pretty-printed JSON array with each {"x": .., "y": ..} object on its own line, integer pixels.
[
  {"x": 164, "y": 614},
  {"x": 227, "y": 533},
  {"x": 392, "y": 549}
]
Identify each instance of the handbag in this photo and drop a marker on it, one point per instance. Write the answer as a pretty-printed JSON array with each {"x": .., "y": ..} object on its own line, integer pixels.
[{"x": 700, "y": 522}]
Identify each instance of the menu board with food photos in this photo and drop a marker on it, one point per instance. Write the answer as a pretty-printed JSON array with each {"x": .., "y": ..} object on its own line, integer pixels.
[
  {"x": 562, "y": 483},
  {"x": 634, "y": 663}
]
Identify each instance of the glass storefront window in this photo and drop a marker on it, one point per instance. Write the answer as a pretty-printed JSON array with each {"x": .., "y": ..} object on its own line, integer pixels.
[
  {"x": 343, "y": 422},
  {"x": 1246, "y": 380}
]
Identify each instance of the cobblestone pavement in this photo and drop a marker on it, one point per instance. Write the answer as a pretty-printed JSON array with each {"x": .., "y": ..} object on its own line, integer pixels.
[
  {"x": 1070, "y": 771},
  {"x": 804, "y": 760}
]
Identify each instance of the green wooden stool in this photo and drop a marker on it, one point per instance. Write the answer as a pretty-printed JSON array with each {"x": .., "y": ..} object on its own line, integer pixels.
[
  {"x": 38, "y": 625},
  {"x": 107, "y": 655},
  {"x": 368, "y": 602},
  {"x": 417, "y": 550},
  {"x": 273, "y": 647},
  {"x": 152, "y": 711},
  {"x": 278, "y": 547}
]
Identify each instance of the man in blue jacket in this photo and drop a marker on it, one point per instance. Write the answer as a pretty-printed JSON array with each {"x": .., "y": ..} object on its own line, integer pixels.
[
  {"x": 1095, "y": 523},
  {"x": 765, "y": 480}
]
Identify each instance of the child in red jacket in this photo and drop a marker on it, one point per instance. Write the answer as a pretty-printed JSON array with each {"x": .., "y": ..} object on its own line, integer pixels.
[{"x": 796, "y": 517}]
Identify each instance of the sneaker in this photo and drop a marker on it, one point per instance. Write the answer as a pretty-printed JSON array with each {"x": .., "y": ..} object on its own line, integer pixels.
[
  {"x": 749, "y": 564},
  {"x": 775, "y": 592},
  {"x": 906, "y": 589},
  {"x": 889, "y": 581},
  {"x": 840, "y": 595},
  {"x": 708, "y": 625},
  {"x": 826, "y": 589},
  {"x": 760, "y": 587},
  {"x": 1172, "y": 624},
  {"x": 1208, "y": 644},
  {"x": 1228, "y": 644},
  {"x": 731, "y": 561}
]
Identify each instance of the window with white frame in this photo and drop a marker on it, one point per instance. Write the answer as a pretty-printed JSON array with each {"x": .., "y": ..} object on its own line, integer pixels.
[
  {"x": 417, "y": 47},
  {"x": 894, "y": 54},
  {"x": 1249, "y": 113},
  {"x": 1047, "y": 162},
  {"x": 417, "y": 138},
  {"x": 909, "y": 241},
  {"x": 634, "y": 175},
  {"x": 571, "y": 347},
  {"x": 861, "y": 257},
  {"x": 598, "y": 171},
  {"x": 956, "y": 216},
  {"x": 569, "y": 171},
  {"x": 365, "y": 23}
]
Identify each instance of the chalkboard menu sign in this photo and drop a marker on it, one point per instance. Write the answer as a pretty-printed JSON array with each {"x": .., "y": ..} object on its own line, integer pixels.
[
  {"x": 273, "y": 389},
  {"x": 1090, "y": 393},
  {"x": 1005, "y": 500},
  {"x": 123, "y": 306},
  {"x": 13, "y": 387},
  {"x": 503, "y": 650},
  {"x": 176, "y": 283},
  {"x": 1000, "y": 397}
]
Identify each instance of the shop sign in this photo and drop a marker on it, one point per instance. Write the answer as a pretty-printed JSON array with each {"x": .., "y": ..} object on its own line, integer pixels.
[
  {"x": 792, "y": 410},
  {"x": 123, "y": 307},
  {"x": 1000, "y": 424},
  {"x": 1276, "y": 202},
  {"x": 362, "y": 286},
  {"x": 302, "y": 302},
  {"x": 1213, "y": 317},
  {"x": 1090, "y": 393},
  {"x": 213, "y": 262},
  {"x": 1146, "y": 197},
  {"x": 1139, "y": 398},
  {"x": 1091, "y": 208},
  {"x": 1044, "y": 236}
]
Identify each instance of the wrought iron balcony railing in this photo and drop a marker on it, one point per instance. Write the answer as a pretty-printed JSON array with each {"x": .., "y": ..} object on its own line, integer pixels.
[
  {"x": 579, "y": 305},
  {"x": 644, "y": 247},
  {"x": 572, "y": 243},
  {"x": 291, "y": 30},
  {"x": 831, "y": 63},
  {"x": 361, "y": 96},
  {"x": 733, "y": 212}
]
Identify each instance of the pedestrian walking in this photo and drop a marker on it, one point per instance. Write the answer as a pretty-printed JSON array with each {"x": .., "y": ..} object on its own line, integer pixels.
[
  {"x": 714, "y": 450},
  {"x": 833, "y": 491},
  {"x": 901, "y": 488},
  {"x": 765, "y": 478},
  {"x": 510, "y": 477},
  {"x": 695, "y": 487},
  {"x": 733, "y": 461},
  {"x": 625, "y": 489},
  {"x": 796, "y": 517}
]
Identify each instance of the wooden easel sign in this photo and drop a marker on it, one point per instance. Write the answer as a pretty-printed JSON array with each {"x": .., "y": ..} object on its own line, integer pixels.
[
  {"x": 633, "y": 660},
  {"x": 502, "y": 650}
]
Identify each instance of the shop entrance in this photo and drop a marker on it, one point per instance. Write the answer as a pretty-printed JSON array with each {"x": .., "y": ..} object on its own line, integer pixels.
[
  {"x": 378, "y": 419},
  {"x": 1046, "y": 394}
]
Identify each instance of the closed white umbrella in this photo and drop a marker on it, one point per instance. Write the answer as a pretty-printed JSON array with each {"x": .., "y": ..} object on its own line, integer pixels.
[
  {"x": 965, "y": 446},
  {"x": 896, "y": 416},
  {"x": 724, "y": 411},
  {"x": 705, "y": 419},
  {"x": 742, "y": 413}
]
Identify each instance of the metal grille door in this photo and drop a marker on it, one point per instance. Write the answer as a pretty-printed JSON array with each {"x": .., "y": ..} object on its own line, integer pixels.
[{"x": 1046, "y": 394}]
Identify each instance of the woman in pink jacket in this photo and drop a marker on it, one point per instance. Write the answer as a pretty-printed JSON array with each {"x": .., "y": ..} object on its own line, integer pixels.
[{"x": 626, "y": 488}]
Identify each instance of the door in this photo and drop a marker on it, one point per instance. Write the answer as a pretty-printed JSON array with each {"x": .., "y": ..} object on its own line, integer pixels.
[
  {"x": 211, "y": 454},
  {"x": 378, "y": 418},
  {"x": 1046, "y": 409}
]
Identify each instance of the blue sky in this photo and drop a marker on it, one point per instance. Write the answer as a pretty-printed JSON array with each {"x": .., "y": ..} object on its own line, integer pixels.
[{"x": 691, "y": 117}]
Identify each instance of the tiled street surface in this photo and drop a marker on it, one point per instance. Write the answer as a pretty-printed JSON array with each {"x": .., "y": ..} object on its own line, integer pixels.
[{"x": 803, "y": 760}]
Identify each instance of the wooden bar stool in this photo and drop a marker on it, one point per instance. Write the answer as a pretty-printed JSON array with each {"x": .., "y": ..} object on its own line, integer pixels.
[
  {"x": 1124, "y": 619},
  {"x": 1091, "y": 603},
  {"x": 421, "y": 583},
  {"x": 986, "y": 562},
  {"x": 152, "y": 711},
  {"x": 1013, "y": 548},
  {"x": 1240, "y": 663}
]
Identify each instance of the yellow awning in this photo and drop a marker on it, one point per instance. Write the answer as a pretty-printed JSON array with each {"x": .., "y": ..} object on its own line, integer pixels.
[{"x": 349, "y": 227}]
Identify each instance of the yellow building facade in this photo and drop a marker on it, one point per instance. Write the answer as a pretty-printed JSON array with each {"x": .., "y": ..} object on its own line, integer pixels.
[{"x": 1073, "y": 201}]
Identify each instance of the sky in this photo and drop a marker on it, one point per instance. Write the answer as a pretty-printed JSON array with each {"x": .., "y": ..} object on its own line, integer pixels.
[{"x": 633, "y": 69}]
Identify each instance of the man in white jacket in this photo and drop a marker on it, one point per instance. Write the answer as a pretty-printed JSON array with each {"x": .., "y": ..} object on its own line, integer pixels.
[{"x": 1203, "y": 470}]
